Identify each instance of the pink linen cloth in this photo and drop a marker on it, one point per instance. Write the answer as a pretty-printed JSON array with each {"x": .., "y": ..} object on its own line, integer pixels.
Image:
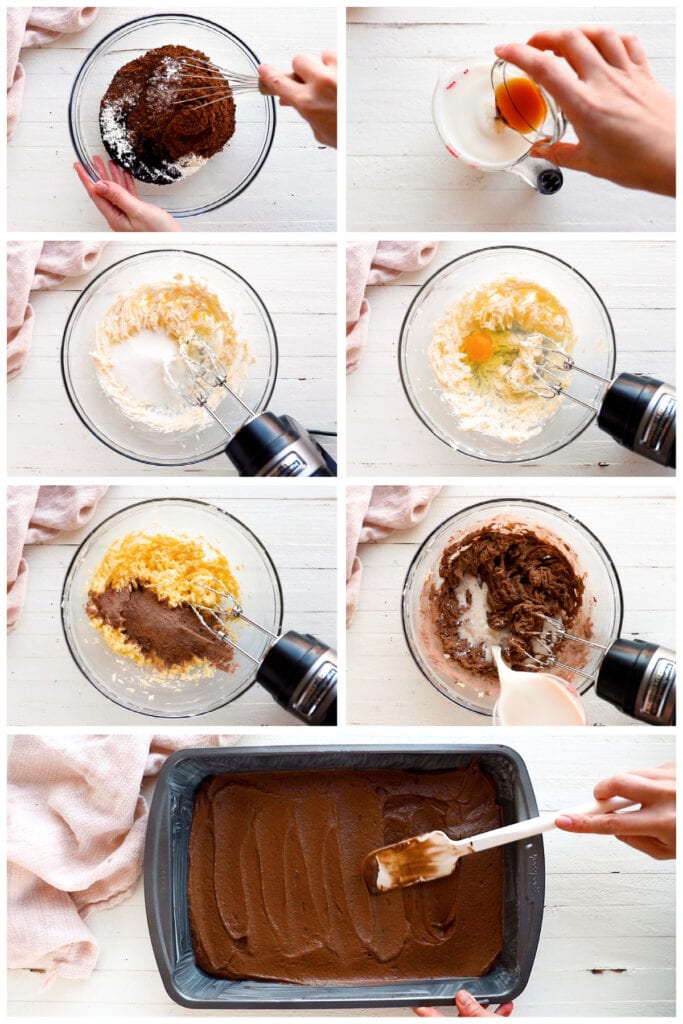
[
  {"x": 36, "y": 515},
  {"x": 375, "y": 263},
  {"x": 75, "y": 839},
  {"x": 35, "y": 26},
  {"x": 33, "y": 266},
  {"x": 372, "y": 514}
]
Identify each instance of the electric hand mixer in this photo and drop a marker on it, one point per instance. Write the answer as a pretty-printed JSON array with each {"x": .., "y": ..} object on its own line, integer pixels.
[
  {"x": 266, "y": 444},
  {"x": 636, "y": 676},
  {"x": 298, "y": 670},
  {"x": 638, "y": 412}
]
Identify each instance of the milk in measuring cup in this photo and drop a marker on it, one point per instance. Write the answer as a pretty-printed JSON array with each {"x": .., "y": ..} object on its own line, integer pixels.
[{"x": 465, "y": 114}]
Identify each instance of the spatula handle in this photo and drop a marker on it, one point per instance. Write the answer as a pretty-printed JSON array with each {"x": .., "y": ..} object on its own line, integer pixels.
[{"x": 542, "y": 823}]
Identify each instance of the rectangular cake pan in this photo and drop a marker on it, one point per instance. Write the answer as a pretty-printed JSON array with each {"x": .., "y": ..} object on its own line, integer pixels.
[{"x": 166, "y": 872}]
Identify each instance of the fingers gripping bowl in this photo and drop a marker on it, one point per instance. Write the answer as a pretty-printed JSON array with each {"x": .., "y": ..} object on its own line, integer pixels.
[
  {"x": 228, "y": 172},
  {"x": 598, "y": 616},
  {"x": 139, "y": 687}
]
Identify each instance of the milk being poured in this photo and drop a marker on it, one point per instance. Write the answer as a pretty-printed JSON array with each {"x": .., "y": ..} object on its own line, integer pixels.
[{"x": 465, "y": 114}]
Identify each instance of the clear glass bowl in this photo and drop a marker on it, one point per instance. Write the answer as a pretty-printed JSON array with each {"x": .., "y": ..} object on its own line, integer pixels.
[
  {"x": 595, "y": 349},
  {"x": 602, "y": 605},
  {"x": 227, "y": 173},
  {"x": 104, "y": 419},
  {"x": 136, "y": 687}
]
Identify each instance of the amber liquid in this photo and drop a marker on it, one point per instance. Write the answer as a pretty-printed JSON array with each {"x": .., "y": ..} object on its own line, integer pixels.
[{"x": 520, "y": 105}]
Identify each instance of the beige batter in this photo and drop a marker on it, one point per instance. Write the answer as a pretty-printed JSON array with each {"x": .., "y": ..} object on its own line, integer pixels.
[
  {"x": 483, "y": 353},
  {"x": 139, "y": 345}
]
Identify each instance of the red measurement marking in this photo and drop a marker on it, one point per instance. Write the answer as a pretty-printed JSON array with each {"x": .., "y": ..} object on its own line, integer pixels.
[
  {"x": 466, "y": 71},
  {"x": 452, "y": 152},
  {"x": 450, "y": 86}
]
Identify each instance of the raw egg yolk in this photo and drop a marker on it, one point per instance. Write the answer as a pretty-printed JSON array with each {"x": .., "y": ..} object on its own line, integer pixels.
[{"x": 479, "y": 346}]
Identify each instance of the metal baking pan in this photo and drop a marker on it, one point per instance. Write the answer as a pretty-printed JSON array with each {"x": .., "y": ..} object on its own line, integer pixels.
[{"x": 166, "y": 871}]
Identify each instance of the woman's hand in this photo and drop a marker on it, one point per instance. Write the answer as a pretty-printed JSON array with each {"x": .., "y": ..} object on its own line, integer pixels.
[
  {"x": 467, "y": 1006},
  {"x": 116, "y": 197},
  {"x": 624, "y": 119},
  {"x": 652, "y": 828},
  {"x": 314, "y": 96}
]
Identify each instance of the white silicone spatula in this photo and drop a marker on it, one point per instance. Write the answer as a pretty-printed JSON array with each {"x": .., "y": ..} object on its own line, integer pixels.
[{"x": 433, "y": 855}]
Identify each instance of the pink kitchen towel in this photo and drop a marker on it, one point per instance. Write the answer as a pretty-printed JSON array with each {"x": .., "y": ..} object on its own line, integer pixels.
[
  {"x": 373, "y": 514},
  {"x": 35, "y": 26},
  {"x": 32, "y": 266},
  {"x": 75, "y": 839},
  {"x": 36, "y": 515},
  {"x": 370, "y": 263}
]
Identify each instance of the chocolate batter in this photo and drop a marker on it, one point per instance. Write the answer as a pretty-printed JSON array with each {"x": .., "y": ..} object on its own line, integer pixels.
[
  {"x": 174, "y": 635},
  {"x": 275, "y": 878},
  {"x": 527, "y": 579},
  {"x": 155, "y": 120}
]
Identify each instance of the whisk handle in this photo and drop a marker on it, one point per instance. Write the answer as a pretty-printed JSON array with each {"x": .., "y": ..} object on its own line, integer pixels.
[
  {"x": 265, "y": 91},
  {"x": 640, "y": 414}
]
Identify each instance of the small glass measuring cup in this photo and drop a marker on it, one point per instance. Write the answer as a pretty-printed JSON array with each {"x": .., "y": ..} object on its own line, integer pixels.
[{"x": 502, "y": 79}]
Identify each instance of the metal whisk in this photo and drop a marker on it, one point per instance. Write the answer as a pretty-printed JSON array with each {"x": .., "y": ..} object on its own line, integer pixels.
[
  {"x": 638, "y": 412},
  {"x": 226, "y": 610},
  {"x": 554, "y": 362},
  {"x": 210, "y": 89},
  {"x": 264, "y": 444},
  {"x": 552, "y": 634},
  {"x": 298, "y": 670},
  {"x": 205, "y": 373}
]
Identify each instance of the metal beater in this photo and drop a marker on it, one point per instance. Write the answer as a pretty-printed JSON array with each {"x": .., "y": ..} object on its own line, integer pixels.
[
  {"x": 638, "y": 412},
  {"x": 298, "y": 670},
  {"x": 233, "y": 82},
  {"x": 635, "y": 676},
  {"x": 265, "y": 444}
]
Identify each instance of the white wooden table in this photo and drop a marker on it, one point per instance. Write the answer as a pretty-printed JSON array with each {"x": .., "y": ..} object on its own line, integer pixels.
[
  {"x": 46, "y": 688},
  {"x": 607, "y": 945},
  {"x": 400, "y": 176},
  {"x": 297, "y": 283},
  {"x": 295, "y": 190},
  {"x": 636, "y": 280},
  {"x": 635, "y": 523}
]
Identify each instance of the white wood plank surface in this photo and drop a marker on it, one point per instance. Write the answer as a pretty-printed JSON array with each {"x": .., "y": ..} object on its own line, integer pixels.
[
  {"x": 297, "y": 283},
  {"x": 607, "y": 945},
  {"x": 400, "y": 176},
  {"x": 636, "y": 525},
  {"x": 294, "y": 191},
  {"x": 46, "y": 688},
  {"x": 636, "y": 281}
]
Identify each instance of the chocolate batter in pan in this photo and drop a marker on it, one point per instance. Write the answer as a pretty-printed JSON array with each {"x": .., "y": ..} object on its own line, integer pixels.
[{"x": 275, "y": 878}]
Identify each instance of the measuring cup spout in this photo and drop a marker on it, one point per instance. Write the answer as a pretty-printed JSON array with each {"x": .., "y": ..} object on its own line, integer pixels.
[{"x": 545, "y": 177}]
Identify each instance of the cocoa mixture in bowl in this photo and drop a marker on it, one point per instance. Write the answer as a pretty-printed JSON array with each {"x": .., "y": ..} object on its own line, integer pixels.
[
  {"x": 500, "y": 585},
  {"x": 156, "y": 120}
]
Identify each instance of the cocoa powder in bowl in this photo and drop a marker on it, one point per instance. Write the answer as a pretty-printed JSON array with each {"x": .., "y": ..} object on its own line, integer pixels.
[{"x": 156, "y": 120}]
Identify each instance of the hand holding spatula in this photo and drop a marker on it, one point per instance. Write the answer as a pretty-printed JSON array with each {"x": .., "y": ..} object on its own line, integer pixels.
[{"x": 433, "y": 855}]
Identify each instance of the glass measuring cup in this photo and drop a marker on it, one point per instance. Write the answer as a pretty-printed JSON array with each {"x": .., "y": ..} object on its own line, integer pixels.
[{"x": 480, "y": 114}]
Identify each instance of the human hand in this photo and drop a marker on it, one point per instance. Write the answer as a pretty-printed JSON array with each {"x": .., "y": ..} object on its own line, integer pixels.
[
  {"x": 624, "y": 119},
  {"x": 467, "y": 1006},
  {"x": 652, "y": 828},
  {"x": 314, "y": 97},
  {"x": 116, "y": 198}
]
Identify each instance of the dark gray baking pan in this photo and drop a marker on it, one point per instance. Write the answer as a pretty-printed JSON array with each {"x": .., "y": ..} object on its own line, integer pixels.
[{"x": 166, "y": 869}]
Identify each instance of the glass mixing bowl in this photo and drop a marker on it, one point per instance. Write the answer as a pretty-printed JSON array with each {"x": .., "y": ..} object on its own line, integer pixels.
[
  {"x": 137, "y": 687},
  {"x": 602, "y": 605},
  {"x": 104, "y": 419},
  {"x": 594, "y": 349},
  {"x": 227, "y": 173}
]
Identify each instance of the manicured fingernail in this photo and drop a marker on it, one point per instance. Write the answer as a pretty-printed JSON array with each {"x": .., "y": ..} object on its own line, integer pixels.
[
  {"x": 102, "y": 187},
  {"x": 564, "y": 821}
]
